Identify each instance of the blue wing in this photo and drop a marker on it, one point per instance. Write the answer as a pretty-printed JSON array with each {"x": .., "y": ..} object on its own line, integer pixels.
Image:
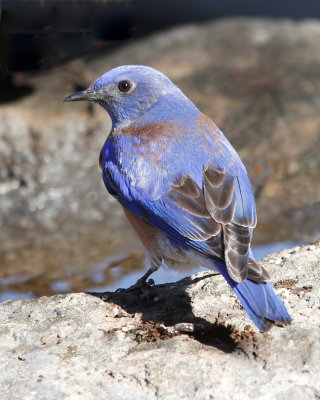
[{"x": 202, "y": 199}]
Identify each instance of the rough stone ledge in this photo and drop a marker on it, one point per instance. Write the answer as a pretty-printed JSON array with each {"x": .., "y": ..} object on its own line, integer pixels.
[{"x": 117, "y": 346}]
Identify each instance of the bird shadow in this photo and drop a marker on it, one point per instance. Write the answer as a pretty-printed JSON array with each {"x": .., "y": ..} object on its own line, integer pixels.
[{"x": 170, "y": 305}]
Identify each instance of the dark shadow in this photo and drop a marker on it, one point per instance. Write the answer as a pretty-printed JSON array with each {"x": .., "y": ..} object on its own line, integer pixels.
[
  {"x": 10, "y": 92},
  {"x": 169, "y": 304}
]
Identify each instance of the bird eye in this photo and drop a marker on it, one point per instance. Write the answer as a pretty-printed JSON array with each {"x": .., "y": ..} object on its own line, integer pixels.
[{"x": 124, "y": 86}]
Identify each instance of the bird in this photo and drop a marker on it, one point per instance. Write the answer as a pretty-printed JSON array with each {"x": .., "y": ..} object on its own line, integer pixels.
[{"x": 181, "y": 184}]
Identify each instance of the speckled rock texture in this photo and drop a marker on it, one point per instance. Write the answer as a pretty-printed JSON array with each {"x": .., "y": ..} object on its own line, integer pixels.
[{"x": 123, "y": 345}]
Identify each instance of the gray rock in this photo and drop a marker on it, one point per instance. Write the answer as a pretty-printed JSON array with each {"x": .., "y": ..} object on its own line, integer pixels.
[{"x": 77, "y": 346}]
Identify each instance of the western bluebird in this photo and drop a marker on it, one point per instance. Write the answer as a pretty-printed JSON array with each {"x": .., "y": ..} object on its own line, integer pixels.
[{"x": 181, "y": 184}]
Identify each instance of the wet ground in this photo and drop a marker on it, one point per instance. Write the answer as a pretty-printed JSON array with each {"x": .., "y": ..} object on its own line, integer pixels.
[{"x": 119, "y": 269}]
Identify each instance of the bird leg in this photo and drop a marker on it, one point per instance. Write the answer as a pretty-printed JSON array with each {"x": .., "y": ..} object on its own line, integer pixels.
[{"x": 141, "y": 283}]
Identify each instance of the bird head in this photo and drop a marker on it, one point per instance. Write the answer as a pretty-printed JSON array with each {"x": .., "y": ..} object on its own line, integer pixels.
[{"x": 128, "y": 92}]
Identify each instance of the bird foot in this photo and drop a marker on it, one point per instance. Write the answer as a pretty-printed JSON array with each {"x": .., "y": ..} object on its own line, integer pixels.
[{"x": 141, "y": 285}]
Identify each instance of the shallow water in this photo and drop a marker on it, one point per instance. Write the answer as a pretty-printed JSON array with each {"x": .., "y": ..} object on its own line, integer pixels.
[{"x": 116, "y": 271}]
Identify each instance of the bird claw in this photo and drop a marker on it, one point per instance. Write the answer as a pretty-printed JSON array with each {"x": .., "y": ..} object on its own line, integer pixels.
[
  {"x": 141, "y": 285},
  {"x": 150, "y": 283}
]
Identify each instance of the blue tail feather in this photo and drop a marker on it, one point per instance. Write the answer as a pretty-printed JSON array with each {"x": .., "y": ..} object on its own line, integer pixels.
[{"x": 259, "y": 300}]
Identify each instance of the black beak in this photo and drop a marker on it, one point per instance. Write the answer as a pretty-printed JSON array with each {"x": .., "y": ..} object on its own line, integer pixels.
[{"x": 88, "y": 94}]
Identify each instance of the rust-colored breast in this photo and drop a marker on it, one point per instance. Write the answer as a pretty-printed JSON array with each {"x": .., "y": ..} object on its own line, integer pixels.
[
  {"x": 152, "y": 131},
  {"x": 148, "y": 233},
  {"x": 151, "y": 140}
]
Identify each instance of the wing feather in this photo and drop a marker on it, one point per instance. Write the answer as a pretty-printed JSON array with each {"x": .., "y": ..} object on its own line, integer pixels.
[
  {"x": 218, "y": 202},
  {"x": 210, "y": 208}
]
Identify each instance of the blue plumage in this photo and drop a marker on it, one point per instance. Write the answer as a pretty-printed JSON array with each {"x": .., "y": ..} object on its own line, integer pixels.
[
  {"x": 260, "y": 301},
  {"x": 181, "y": 183}
]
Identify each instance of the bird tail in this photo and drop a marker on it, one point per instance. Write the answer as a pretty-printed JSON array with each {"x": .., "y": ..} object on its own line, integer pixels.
[{"x": 259, "y": 300}]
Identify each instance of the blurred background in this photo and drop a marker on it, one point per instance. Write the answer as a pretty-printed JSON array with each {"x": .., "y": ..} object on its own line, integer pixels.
[{"x": 252, "y": 66}]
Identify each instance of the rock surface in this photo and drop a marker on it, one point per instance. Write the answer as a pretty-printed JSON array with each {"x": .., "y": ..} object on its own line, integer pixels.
[{"x": 77, "y": 346}]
